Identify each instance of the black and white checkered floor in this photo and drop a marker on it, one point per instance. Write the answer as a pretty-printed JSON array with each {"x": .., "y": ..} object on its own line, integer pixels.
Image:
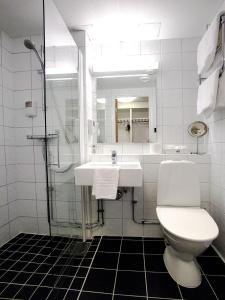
[{"x": 118, "y": 268}]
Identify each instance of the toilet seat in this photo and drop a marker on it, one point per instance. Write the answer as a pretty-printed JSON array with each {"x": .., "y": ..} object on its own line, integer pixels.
[{"x": 189, "y": 223}]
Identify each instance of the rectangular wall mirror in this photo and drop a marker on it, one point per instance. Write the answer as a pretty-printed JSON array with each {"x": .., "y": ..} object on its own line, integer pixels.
[{"x": 126, "y": 108}]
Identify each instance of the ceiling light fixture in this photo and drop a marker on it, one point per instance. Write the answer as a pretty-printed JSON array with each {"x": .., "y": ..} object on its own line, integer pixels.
[
  {"x": 126, "y": 99},
  {"x": 125, "y": 63},
  {"x": 101, "y": 100}
]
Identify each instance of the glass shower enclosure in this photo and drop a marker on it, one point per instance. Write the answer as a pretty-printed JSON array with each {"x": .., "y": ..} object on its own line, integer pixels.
[{"x": 61, "y": 107}]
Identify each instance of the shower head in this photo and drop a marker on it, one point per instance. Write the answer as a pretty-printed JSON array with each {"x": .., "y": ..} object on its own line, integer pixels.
[{"x": 29, "y": 45}]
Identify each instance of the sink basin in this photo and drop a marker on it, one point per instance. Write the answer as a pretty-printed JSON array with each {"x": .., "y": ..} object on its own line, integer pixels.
[{"x": 130, "y": 173}]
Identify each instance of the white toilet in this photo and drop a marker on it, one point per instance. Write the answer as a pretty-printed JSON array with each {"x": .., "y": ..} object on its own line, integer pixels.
[{"x": 188, "y": 229}]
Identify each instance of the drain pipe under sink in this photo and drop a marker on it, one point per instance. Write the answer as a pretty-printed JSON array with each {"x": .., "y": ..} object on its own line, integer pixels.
[{"x": 143, "y": 221}]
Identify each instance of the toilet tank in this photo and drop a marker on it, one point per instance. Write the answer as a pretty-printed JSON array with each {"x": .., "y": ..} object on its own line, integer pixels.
[{"x": 178, "y": 184}]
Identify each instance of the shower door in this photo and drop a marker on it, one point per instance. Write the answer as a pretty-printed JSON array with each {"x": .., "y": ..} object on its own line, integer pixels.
[{"x": 62, "y": 125}]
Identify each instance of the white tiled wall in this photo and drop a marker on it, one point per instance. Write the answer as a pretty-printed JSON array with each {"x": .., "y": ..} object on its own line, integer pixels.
[
  {"x": 217, "y": 195},
  {"x": 7, "y": 142},
  {"x": 118, "y": 214},
  {"x": 177, "y": 84}
]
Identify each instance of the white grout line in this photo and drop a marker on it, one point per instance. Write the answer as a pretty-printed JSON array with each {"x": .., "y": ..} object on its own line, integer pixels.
[
  {"x": 218, "y": 253},
  {"x": 180, "y": 291},
  {"x": 85, "y": 278},
  {"x": 146, "y": 283},
  {"x": 117, "y": 267},
  {"x": 204, "y": 276}
]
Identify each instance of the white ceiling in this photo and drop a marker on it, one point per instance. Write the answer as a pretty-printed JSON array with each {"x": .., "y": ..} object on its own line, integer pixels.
[
  {"x": 179, "y": 18},
  {"x": 21, "y": 17}
]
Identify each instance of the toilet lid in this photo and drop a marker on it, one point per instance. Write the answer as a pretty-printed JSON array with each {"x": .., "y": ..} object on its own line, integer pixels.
[{"x": 190, "y": 223}]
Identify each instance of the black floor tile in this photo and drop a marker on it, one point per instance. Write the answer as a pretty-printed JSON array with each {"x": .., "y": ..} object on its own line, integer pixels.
[
  {"x": 132, "y": 246},
  {"x": 41, "y": 293},
  {"x": 120, "y": 297},
  {"x": 2, "y": 286},
  {"x": 31, "y": 267},
  {"x": 86, "y": 262},
  {"x": 38, "y": 258},
  {"x": 90, "y": 254},
  {"x": 43, "y": 268},
  {"x": 112, "y": 237},
  {"x": 2, "y": 272},
  {"x": 50, "y": 260},
  {"x": 27, "y": 257},
  {"x": 18, "y": 266},
  {"x": 71, "y": 295},
  {"x": 203, "y": 292},
  {"x": 209, "y": 252},
  {"x": 7, "y": 264},
  {"x": 93, "y": 248},
  {"x": 100, "y": 281},
  {"x": 131, "y": 262},
  {"x": 109, "y": 246},
  {"x": 25, "y": 248},
  {"x": 10, "y": 291},
  {"x": 8, "y": 276},
  {"x": 49, "y": 280},
  {"x": 25, "y": 292},
  {"x": 22, "y": 277},
  {"x": 64, "y": 282},
  {"x": 105, "y": 260},
  {"x": 130, "y": 283},
  {"x": 162, "y": 285},
  {"x": 57, "y": 294},
  {"x": 57, "y": 269},
  {"x": 218, "y": 285},
  {"x": 94, "y": 296},
  {"x": 73, "y": 262},
  {"x": 77, "y": 283},
  {"x": 154, "y": 263},
  {"x": 70, "y": 271},
  {"x": 35, "y": 279},
  {"x": 82, "y": 272},
  {"x": 154, "y": 247},
  {"x": 6, "y": 255},
  {"x": 212, "y": 265},
  {"x": 134, "y": 238}
]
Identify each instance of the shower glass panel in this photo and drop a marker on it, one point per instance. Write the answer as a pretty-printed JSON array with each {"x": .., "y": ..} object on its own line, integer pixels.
[{"x": 62, "y": 128}]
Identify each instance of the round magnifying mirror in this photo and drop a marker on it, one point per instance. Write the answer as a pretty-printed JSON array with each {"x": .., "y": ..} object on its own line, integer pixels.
[{"x": 197, "y": 129}]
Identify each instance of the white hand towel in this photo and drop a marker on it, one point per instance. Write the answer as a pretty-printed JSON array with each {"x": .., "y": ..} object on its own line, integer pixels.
[
  {"x": 207, "y": 94},
  {"x": 208, "y": 45},
  {"x": 220, "y": 102},
  {"x": 105, "y": 182}
]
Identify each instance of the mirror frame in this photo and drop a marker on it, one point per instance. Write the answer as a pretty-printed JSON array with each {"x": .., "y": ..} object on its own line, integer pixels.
[{"x": 137, "y": 92}]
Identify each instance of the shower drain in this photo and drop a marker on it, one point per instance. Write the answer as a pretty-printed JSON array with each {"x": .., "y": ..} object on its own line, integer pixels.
[{"x": 77, "y": 249}]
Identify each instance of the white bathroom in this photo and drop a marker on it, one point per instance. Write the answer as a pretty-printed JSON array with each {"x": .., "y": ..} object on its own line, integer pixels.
[{"x": 112, "y": 149}]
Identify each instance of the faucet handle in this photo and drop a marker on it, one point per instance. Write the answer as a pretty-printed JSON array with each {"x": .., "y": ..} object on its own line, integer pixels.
[{"x": 114, "y": 154}]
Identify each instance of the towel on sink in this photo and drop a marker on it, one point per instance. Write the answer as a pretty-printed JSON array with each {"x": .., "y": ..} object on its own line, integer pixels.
[{"x": 105, "y": 182}]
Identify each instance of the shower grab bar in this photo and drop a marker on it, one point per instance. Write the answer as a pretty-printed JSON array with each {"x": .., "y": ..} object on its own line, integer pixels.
[
  {"x": 222, "y": 47},
  {"x": 50, "y": 136}
]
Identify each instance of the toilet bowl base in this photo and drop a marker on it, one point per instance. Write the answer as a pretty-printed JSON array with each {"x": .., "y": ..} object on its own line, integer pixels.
[{"x": 185, "y": 273}]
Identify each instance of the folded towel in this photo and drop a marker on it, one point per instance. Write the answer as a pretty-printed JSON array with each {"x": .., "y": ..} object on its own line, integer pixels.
[
  {"x": 220, "y": 101},
  {"x": 105, "y": 182},
  {"x": 208, "y": 45},
  {"x": 207, "y": 94}
]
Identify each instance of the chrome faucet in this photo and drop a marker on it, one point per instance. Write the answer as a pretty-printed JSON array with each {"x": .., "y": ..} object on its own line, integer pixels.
[{"x": 114, "y": 157}]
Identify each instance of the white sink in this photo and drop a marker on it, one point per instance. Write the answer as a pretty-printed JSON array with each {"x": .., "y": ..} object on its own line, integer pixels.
[{"x": 130, "y": 173}]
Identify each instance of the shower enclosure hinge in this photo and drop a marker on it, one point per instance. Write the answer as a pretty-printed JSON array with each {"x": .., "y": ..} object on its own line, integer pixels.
[{"x": 155, "y": 129}]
